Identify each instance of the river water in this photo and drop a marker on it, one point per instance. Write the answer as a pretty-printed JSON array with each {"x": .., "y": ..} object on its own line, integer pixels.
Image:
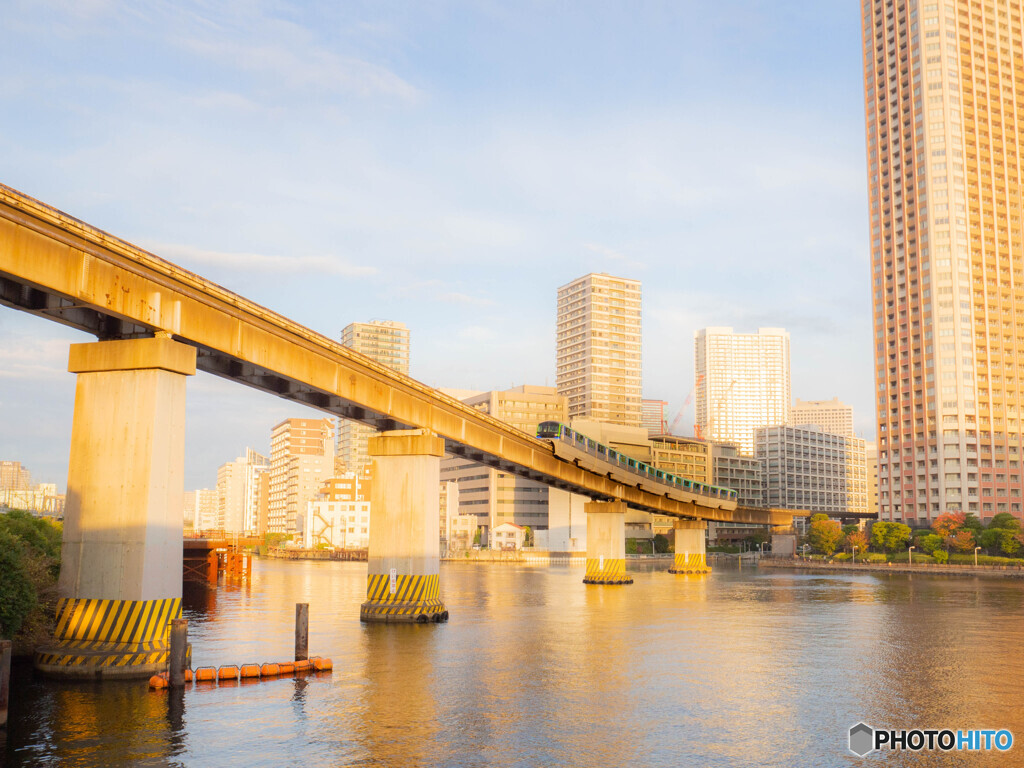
[{"x": 739, "y": 668}]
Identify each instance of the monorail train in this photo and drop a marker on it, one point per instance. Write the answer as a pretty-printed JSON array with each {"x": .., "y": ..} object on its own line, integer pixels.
[{"x": 573, "y": 446}]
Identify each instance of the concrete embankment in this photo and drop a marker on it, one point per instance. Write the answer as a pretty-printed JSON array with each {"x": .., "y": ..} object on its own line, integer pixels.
[
  {"x": 990, "y": 571},
  {"x": 516, "y": 556}
]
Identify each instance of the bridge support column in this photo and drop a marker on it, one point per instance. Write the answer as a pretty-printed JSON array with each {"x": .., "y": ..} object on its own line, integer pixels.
[
  {"x": 606, "y": 543},
  {"x": 691, "y": 552},
  {"x": 121, "y": 568},
  {"x": 404, "y": 557}
]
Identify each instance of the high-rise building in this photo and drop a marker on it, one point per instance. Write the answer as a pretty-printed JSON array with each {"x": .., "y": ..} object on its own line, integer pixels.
[
  {"x": 653, "y": 417},
  {"x": 598, "y": 349},
  {"x": 944, "y": 92},
  {"x": 385, "y": 342},
  {"x": 204, "y": 507},
  {"x": 14, "y": 477},
  {"x": 301, "y": 459},
  {"x": 238, "y": 493},
  {"x": 742, "y": 383},
  {"x": 831, "y": 415},
  {"x": 497, "y": 497},
  {"x": 740, "y": 473}
]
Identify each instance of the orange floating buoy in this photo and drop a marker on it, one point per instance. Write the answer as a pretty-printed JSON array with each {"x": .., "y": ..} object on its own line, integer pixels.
[
  {"x": 205, "y": 674},
  {"x": 227, "y": 673},
  {"x": 270, "y": 670},
  {"x": 302, "y": 666},
  {"x": 158, "y": 681},
  {"x": 323, "y": 665},
  {"x": 250, "y": 670},
  {"x": 188, "y": 675},
  {"x": 286, "y": 668}
]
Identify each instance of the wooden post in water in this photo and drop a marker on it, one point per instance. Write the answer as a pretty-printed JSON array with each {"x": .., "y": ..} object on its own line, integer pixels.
[
  {"x": 179, "y": 649},
  {"x": 301, "y": 631},
  {"x": 5, "y": 679}
]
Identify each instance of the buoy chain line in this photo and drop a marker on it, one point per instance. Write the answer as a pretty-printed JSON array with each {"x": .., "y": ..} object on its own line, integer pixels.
[{"x": 233, "y": 673}]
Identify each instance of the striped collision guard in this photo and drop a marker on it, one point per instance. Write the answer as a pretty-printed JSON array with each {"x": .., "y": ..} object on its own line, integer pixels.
[
  {"x": 137, "y": 625},
  {"x": 413, "y": 594}
]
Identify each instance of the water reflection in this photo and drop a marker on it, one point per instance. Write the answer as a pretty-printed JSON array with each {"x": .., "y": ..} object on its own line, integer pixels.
[{"x": 536, "y": 668}]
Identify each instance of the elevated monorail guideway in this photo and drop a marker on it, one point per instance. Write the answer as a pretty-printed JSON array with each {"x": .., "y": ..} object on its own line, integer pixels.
[{"x": 60, "y": 268}]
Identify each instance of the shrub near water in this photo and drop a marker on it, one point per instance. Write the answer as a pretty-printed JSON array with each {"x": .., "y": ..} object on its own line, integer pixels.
[{"x": 29, "y": 566}]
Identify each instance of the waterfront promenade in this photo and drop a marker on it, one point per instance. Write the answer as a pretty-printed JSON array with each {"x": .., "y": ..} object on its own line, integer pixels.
[{"x": 931, "y": 569}]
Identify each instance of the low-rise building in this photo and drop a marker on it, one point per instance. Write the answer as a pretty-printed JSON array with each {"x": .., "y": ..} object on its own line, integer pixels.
[
  {"x": 337, "y": 525},
  {"x": 508, "y": 536}
]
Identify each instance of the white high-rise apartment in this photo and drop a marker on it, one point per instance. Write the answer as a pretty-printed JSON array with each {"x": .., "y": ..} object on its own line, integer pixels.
[
  {"x": 742, "y": 383},
  {"x": 599, "y": 349},
  {"x": 238, "y": 492},
  {"x": 943, "y": 102},
  {"x": 831, "y": 415},
  {"x": 386, "y": 342}
]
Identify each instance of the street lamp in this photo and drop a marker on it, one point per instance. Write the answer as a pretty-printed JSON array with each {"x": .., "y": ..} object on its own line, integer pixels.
[
  {"x": 910, "y": 554},
  {"x": 804, "y": 548},
  {"x": 854, "y": 553},
  {"x": 762, "y": 549},
  {"x": 976, "y": 556}
]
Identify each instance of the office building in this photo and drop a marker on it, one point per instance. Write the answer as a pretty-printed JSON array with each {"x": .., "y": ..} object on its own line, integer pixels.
[
  {"x": 805, "y": 468},
  {"x": 742, "y": 383},
  {"x": 830, "y": 415},
  {"x": 301, "y": 459},
  {"x": 385, "y": 342},
  {"x": 943, "y": 100},
  {"x": 14, "y": 477},
  {"x": 731, "y": 469},
  {"x": 599, "y": 349}
]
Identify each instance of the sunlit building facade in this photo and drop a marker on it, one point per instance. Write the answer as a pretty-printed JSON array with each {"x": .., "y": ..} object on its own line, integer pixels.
[
  {"x": 598, "y": 351},
  {"x": 742, "y": 383},
  {"x": 944, "y": 99},
  {"x": 385, "y": 342}
]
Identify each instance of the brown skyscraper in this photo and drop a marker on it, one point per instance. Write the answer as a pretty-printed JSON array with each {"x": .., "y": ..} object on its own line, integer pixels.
[{"x": 944, "y": 98}]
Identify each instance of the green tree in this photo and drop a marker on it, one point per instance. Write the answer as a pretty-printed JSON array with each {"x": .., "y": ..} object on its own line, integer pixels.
[
  {"x": 1010, "y": 542},
  {"x": 972, "y": 524},
  {"x": 824, "y": 534},
  {"x": 1004, "y": 521},
  {"x": 851, "y": 528},
  {"x": 476, "y": 538},
  {"x": 661, "y": 543},
  {"x": 930, "y": 542},
  {"x": 17, "y": 592},
  {"x": 527, "y": 536},
  {"x": 896, "y": 537},
  {"x": 991, "y": 539},
  {"x": 878, "y": 532},
  {"x": 941, "y": 556}
]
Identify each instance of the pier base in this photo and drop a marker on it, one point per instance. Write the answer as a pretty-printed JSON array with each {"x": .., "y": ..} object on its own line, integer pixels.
[
  {"x": 121, "y": 558},
  {"x": 606, "y": 543},
  {"x": 691, "y": 552},
  {"x": 404, "y": 555}
]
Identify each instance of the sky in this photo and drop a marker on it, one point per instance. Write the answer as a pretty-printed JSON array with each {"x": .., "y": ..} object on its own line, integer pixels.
[{"x": 449, "y": 165}]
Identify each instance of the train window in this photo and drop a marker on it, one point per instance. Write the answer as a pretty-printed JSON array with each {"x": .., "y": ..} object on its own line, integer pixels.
[{"x": 601, "y": 449}]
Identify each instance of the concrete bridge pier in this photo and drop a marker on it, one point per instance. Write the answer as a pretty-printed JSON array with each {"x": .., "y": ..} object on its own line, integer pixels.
[
  {"x": 120, "y": 577},
  {"x": 606, "y": 543},
  {"x": 404, "y": 556},
  {"x": 691, "y": 552}
]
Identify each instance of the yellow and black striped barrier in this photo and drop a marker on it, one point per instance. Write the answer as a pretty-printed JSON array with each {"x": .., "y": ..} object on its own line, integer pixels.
[
  {"x": 109, "y": 638},
  {"x": 690, "y": 562},
  {"x": 394, "y": 598},
  {"x": 606, "y": 570}
]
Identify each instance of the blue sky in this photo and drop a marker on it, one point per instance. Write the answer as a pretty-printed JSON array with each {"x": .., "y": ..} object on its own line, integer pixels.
[{"x": 449, "y": 165}]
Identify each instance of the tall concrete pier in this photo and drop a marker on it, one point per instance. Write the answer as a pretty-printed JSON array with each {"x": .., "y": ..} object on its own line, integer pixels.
[
  {"x": 691, "y": 550},
  {"x": 606, "y": 543},
  {"x": 120, "y": 578},
  {"x": 404, "y": 556}
]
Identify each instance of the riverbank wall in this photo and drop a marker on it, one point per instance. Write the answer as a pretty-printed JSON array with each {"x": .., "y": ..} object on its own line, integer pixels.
[{"x": 931, "y": 569}]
